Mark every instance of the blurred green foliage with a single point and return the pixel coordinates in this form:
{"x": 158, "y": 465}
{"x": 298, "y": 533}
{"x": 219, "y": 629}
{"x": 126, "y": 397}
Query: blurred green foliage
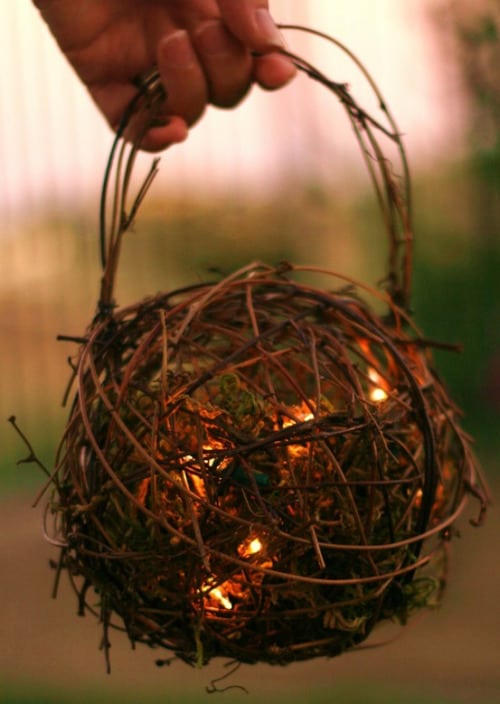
{"x": 456, "y": 301}
{"x": 468, "y": 277}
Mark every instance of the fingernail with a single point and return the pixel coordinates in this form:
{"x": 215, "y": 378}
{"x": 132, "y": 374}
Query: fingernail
{"x": 213, "y": 39}
{"x": 268, "y": 29}
{"x": 176, "y": 50}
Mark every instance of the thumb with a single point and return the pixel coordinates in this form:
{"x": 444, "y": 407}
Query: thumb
{"x": 251, "y": 22}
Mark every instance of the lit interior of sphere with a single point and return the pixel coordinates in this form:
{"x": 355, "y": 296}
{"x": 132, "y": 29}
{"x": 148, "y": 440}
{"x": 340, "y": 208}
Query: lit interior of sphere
{"x": 257, "y": 469}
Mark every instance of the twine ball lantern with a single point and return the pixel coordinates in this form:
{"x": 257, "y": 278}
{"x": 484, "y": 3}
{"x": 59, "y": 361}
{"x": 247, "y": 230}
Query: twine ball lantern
{"x": 256, "y": 468}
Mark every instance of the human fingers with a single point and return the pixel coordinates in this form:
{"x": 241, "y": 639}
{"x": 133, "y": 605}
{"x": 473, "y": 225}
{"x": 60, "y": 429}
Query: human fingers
{"x": 182, "y": 75}
{"x": 227, "y": 64}
{"x": 273, "y": 70}
{"x": 160, "y": 136}
{"x": 252, "y": 23}
{"x": 202, "y": 63}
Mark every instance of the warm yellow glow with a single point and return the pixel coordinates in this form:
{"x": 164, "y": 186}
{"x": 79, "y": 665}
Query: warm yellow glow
{"x": 250, "y": 547}
{"x": 215, "y": 462}
{"x": 195, "y": 483}
{"x": 377, "y": 394}
{"x": 198, "y": 485}
{"x": 255, "y": 546}
{"x": 301, "y": 414}
{"x": 217, "y": 594}
{"x": 221, "y": 597}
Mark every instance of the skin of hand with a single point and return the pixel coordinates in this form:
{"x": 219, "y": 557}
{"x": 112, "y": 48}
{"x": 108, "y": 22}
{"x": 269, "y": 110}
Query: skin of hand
{"x": 203, "y": 50}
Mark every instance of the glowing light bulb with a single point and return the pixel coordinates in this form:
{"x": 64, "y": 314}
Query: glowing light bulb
{"x": 250, "y": 547}
{"x": 377, "y": 393}
{"x": 255, "y": 546}
{"x": 217, "y": 594}
{"x": 302, "y": 414}
{"x": 419, "y": 495}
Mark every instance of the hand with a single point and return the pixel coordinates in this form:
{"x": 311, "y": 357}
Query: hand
{"x": 201, "y": 47}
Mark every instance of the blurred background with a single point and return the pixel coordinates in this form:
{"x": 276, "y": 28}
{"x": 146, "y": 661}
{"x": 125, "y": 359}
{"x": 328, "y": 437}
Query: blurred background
{"x": 279, "y": 178}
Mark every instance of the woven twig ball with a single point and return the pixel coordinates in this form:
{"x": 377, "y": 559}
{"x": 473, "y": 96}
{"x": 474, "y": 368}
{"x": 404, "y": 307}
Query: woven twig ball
{"x": 258, "y": 469}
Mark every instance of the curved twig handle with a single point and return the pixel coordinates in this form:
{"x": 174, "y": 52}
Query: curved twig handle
{"x": 114, "y": 218}
{"x": 392, "y": 191}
